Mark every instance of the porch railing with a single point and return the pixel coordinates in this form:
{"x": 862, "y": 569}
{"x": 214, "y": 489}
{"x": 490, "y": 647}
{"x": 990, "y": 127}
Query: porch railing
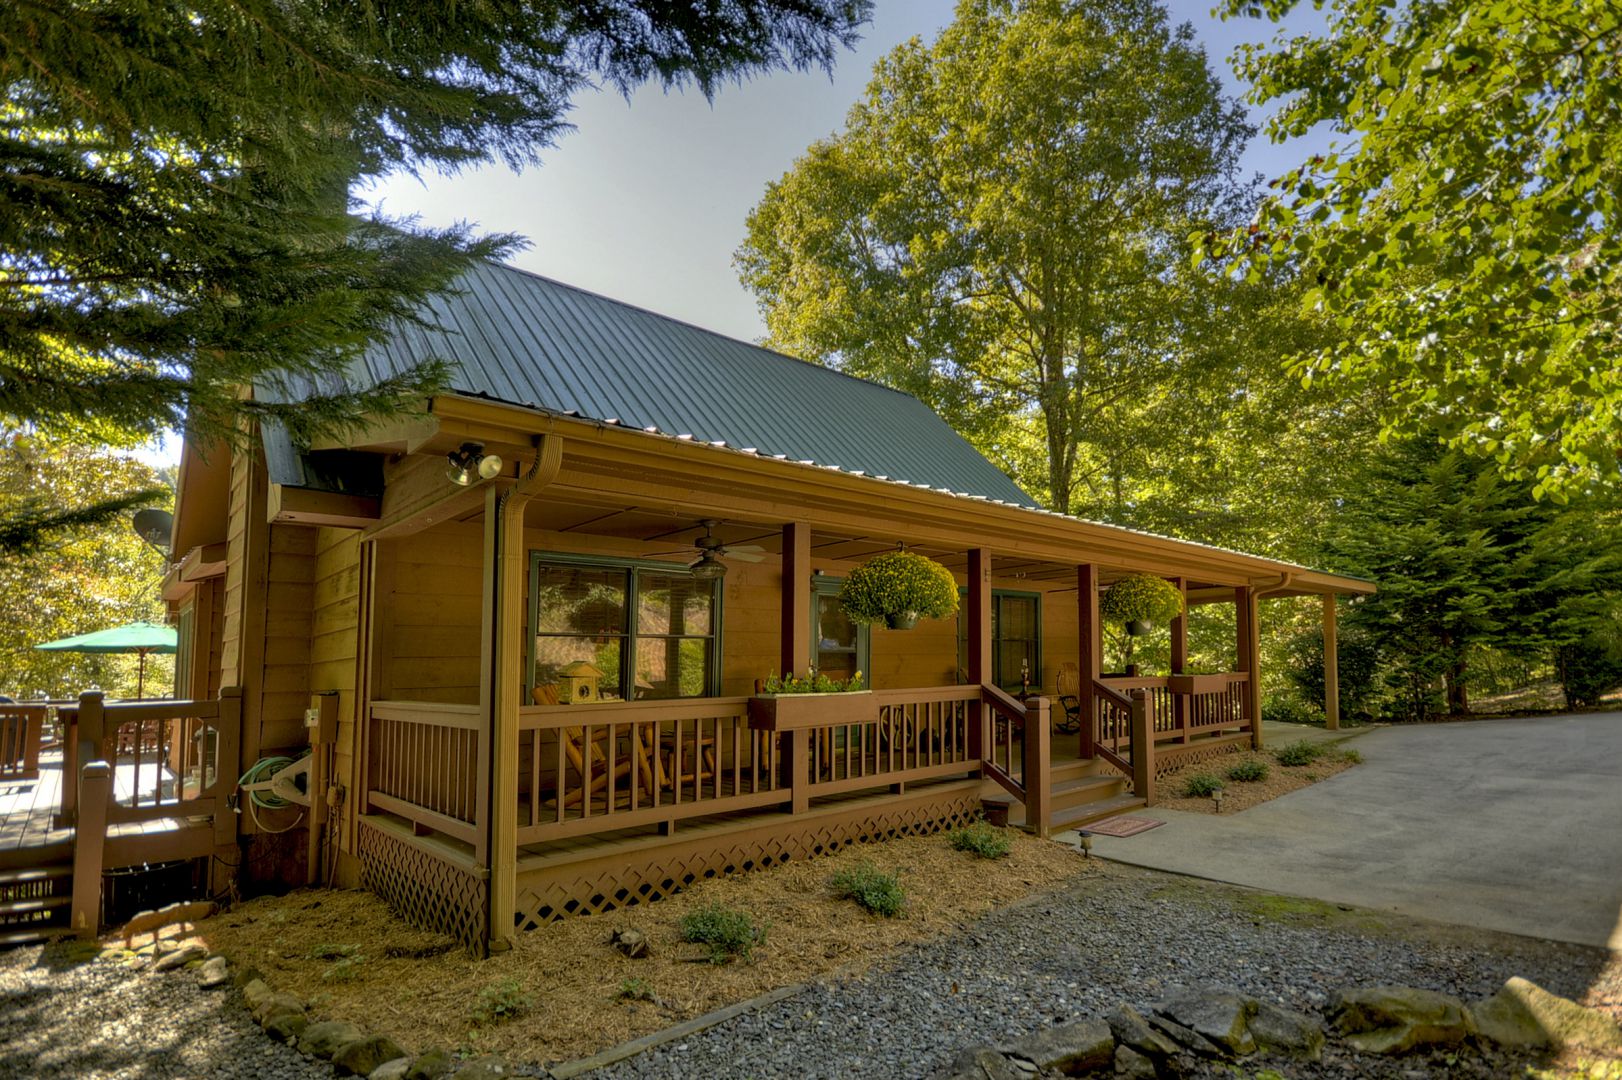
{"x": 21, "y": 727}
{"x": 423, "y": 765}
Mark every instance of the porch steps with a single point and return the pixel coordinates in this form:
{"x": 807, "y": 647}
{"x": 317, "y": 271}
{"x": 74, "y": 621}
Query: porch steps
{"x": 1084, "y": 791}
{"x": 34, "y": 903}
{"x": 1079, "y": 817}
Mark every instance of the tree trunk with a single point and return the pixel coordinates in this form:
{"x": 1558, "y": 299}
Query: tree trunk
{"x": 1458, "y": 691}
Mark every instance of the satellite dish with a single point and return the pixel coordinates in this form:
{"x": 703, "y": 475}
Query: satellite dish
{"x": 154, "y": 526}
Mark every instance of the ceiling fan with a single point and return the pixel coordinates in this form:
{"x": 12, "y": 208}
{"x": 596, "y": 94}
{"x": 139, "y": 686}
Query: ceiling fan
{"x": 711, "y": 550}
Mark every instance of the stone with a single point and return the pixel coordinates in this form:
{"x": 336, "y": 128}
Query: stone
{"x": 489, "y": 1067}
{"x": 180, "y": 957}
{"x": 328, "y": 1037}
{"x": 391, "y": 1070}
{"x": 633, "y": 943}
{"x": 1221, "y": 1017}
{"x": 285, "y": 1025}
{"x": 276, "y": 1002}
{"x": 1187, "y": 1038}
{"x": 255, "y": 991}
{"x": 1287, "y": 1033}
{"x": 1131, "y": 1029}
{"x": 434, "y": 1065}
{"x": 360, "y": 1056}
{"x": 1398, "y": 1019}
{"x": 1523, "y": 1014}
{"x": 1072, "y": 1048}
{"x": 213, "y": 974}
{"x": 975, "y": 1063}
{"x": 1132, "y": 1065}
{"x": 246, "y": 975}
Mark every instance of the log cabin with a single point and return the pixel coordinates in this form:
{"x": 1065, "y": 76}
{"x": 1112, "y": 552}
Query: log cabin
{"x": 513, "y": 640}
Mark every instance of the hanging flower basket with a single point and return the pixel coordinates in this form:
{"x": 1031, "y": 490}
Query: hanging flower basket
{"x": 897, "y": 589}
{"x": 1140, "y": 602}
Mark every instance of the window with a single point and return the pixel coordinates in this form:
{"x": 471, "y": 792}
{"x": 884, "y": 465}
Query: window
{"x": 1016, "y": 638}
{"x": 648, "y": 626}
{"x": 841, "y": 646}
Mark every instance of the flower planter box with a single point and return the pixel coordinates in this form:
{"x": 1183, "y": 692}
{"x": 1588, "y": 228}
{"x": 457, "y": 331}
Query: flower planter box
{"x": 789, "y": 712}
{"x": 1197, "y": 684}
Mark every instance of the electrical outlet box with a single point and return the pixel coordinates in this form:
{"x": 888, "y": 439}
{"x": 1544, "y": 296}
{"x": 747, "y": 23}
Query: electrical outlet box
{"x": 321, "y": 718}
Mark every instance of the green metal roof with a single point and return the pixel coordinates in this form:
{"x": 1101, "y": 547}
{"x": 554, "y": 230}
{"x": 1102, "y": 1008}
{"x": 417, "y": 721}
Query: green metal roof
{"x": 519, "y": 338}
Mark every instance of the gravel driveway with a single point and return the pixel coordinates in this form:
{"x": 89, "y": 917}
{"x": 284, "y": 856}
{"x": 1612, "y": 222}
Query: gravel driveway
{"x": 96, "y": 1019}
{"x": 1121, "y": 935}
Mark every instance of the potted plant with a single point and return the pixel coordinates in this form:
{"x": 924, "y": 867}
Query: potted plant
{"x": 1139, "y": 601}
{"x": 789, "y": 702}
{"x": 897, "y": 589}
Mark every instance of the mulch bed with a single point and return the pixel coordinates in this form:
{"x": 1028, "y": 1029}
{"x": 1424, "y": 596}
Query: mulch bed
{"x": 1241, "y": 795}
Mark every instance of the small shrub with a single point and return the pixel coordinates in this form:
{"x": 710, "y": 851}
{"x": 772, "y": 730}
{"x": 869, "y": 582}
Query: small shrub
{"x": 1249, "y": 772}
{"x": 1350, "y": 756}
{"x": 1297, "y": 753}
{"x": 1280, "y": 709}
{"x": 728, "y": 932}
{"x": 871, "y": 888}
{"x": 636, "y": 990}
{"x": 982, "y": 838}
{"x": 501, "y": 1000}
{"x": 1202, "y": 785}
{"x": 345, "y": 970}
{"x": 332, "y": 952}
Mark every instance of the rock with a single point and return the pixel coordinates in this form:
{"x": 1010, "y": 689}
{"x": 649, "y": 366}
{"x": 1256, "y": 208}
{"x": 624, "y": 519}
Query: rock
{"x": 1523, "y": 1014}
{"x": 976, "y": 1063}
{"x": 489, "y": 1067}
{"x": 633, "y": 943}
{"x": 1187, "y": 1038}
{"x": 1131, "y": 1029}
{"x": 255, "y": 991}
{"x": 361, "y": 1056}
{"x": 391, "y": 1070}
{"x": 285, "y": 1024}
{"x": 434, "y": 1065}
{"x": 246, "y": 975}
{"x": 213, "y": 974}
{"x": 1220, "y": 1016}
{"x": 1397, "y": 1019}
{"x": 276, "y": 1002}
{"x": 1291, "y": 1034}
{"x": 1133, "y": 1065}
{"x": 328, "y": 1037}
{"x": 180, "y": 957}
{"x": 1072, "y": 1048}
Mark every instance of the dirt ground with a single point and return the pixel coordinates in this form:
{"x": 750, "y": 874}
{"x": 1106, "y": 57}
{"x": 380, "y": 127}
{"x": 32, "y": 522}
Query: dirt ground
{"x": 1239, "y": 795}
{"x": 353, "y": 960}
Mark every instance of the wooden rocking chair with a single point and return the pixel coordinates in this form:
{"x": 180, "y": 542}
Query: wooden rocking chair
{"x": 651, "y": 773}
{"x": 1069, "y": 695}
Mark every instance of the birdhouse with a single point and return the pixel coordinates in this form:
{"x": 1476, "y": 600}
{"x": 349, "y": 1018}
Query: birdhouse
{"x": 577, "y": 683}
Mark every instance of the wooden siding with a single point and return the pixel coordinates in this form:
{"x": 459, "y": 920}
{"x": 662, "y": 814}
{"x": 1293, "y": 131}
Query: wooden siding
{"x": 334, "y": 643}
{"x": 289, "y": 599}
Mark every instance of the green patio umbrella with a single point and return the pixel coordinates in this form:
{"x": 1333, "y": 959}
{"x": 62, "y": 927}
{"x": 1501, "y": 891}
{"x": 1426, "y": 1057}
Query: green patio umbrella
{"x": 137, "y": 637}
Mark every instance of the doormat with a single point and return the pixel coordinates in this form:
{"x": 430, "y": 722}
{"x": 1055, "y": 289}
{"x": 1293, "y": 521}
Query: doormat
{"x": 1123, "y": 826}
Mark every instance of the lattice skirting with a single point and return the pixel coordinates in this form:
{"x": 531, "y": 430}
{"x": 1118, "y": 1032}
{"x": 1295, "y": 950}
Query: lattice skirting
{"x": 618, "y": 878}
{"x": 1172, "y": 757}
{"x": 427, "y": 892}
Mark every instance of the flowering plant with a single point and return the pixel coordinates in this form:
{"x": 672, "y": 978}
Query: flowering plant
{"x": 1141, "y": 598}
{"x": 899, "y": 584}
{"x": 813, "y": 683}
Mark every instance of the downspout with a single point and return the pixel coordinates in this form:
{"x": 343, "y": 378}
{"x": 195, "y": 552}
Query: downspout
{"x": 506, "y": 631}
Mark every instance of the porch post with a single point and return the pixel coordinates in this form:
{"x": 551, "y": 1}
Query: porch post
{"x": 1090, "y": 649}
{"x": 1331, "y": 666}
{"x": 1245, "y": 604}
{"x": 1179, "y": 659}
{"x": 977, "y": 639}
{"x": 502, "y": 682}
{"x": 795, "y": 651}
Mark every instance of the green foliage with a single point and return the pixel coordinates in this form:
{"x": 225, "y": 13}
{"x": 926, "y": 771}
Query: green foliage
{"x": 871, "y": 888}
{"x": 1464, "y": 236}
{"x": 77, "y": 579}
{"x": 324, "y": 951}
{"x": 1286, "y": 709}
{"x": 500, "y": 1001}
{"x": 1141, "y": 598}
{"x": 1349, "y": 755}
{"x": 1248, "y": 772}
{"x": 345, "y": 970}
{"x": 634, "y": 989}
{"x": 1298, "y": 753}
{"x": 728, "y": 932}
{"x": 1202, "y": 785}
{"x": 1001, "y": 229}
{"x": 983, "y": 839}
{"x": 174, "y": 212}
{"x": 899, "y": 582}
{"x": 1358, "y": 662}
{"x": 814, "y": 683}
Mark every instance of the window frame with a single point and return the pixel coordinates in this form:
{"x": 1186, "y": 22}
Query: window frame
{"x": 632, "y": 568}
{"x": 824, "y": 585}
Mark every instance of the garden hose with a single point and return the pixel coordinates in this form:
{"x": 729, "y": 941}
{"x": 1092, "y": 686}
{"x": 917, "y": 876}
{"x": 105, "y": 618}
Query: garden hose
{"x": 260, "y": 772}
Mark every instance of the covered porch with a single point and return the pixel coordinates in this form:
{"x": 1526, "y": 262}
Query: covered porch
{"x": 485, "y": 803}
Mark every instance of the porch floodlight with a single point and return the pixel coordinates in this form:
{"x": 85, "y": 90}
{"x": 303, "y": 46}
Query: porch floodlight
{"x": 469, "y": 459}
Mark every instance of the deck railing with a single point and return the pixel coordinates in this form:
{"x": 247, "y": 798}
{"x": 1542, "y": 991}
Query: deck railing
{"x": 21, "y": 727}
{"x": 424, "y": 765}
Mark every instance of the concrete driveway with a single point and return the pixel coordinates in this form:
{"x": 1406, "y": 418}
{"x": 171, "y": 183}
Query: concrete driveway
{"x": 1512, "y": 825}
